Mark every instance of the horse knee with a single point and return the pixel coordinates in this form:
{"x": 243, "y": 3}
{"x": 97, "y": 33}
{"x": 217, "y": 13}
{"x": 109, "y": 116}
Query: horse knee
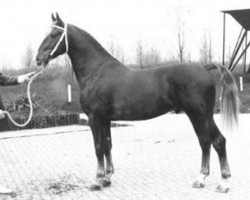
{"x": 99, "y": 151}
{"x": 205, "y": 145}
{"x": 107, "y": 145}
{"x": 107, "y": 150}
{"x": 219, "y": 143}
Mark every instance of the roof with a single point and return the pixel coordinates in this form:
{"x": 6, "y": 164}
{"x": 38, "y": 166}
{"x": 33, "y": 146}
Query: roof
{"x": 241, "y": 16}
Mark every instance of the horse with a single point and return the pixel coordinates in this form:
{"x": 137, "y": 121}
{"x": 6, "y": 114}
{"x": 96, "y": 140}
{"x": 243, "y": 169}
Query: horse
{"x": 111, "y": 91}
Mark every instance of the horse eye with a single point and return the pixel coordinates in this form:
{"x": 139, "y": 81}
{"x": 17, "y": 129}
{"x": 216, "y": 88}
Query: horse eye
{"x": 53, "y": 34}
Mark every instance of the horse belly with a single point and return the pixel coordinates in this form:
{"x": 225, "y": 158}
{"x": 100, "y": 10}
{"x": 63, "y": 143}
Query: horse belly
{"x": 140, "y": 108}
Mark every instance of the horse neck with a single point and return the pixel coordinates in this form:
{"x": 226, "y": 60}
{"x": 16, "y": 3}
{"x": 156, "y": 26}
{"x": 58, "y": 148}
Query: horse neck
{"x": 86, "y": 54}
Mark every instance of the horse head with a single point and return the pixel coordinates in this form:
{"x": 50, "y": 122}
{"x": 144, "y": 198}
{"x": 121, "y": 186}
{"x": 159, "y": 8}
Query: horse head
{"x": 54, "y": 44}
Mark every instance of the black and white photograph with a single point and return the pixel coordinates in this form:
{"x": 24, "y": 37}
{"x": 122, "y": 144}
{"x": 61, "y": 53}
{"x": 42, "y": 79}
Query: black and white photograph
{"x": 124, "y": 100}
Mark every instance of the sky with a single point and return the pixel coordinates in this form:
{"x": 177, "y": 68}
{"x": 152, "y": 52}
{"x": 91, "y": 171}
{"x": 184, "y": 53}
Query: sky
{"x": 121, "y": 22}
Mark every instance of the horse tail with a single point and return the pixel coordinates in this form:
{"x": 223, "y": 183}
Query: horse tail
{"x": 229, "y": 97}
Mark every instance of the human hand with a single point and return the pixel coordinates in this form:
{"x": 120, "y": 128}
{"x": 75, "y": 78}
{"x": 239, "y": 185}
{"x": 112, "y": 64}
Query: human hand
{"x": 2, "y": 114}
{"x": 25, "y": 77}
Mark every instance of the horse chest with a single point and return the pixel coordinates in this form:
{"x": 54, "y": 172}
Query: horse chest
{"x": 95, "y": 100}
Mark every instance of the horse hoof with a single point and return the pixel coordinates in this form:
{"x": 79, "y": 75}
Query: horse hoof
{"x": 106, "y": 183}
{"x": 222, "y": 189}
{"x": 13, "y": 195}
{"x": 223, "y": 186}
{"x": 198, "y": 184}
{"x": 95, "y": 187}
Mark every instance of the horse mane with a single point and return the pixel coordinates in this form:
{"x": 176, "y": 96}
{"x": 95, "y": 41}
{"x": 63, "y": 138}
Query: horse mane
{"x": 91, "y": 41}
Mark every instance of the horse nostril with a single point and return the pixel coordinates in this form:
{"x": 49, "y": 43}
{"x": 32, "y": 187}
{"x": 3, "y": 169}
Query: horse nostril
{"x": 38, "y": 61}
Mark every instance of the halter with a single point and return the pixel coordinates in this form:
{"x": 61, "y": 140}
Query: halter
{"x": 64, "y": 34}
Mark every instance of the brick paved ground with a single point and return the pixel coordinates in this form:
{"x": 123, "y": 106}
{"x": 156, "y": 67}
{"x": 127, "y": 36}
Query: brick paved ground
{"x": 155, "y": 159}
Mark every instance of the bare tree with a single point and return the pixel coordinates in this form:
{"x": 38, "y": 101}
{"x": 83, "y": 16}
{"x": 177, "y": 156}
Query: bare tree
{"x": 228, "y": 54}
{"x": 204, "y": 50}
{"x": 146, "y": 57}
{"x": 151, "y": 57}
{"x": 206, "y": 53}
{"x": 180, "y": 33}
{"x": 181, "y": 43}
{"x": 139, "y": 53}
{"x": 28, "y": 56}
{"x": 210, "y": 49}
{"x": 111, "y": 47}
{"x": 116, "y": 51}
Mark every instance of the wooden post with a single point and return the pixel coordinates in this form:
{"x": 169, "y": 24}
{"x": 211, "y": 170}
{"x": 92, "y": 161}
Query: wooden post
{"x": 69, "y": 94}
{"x": 241, "y": 83}
{"x": 224, "y": 38}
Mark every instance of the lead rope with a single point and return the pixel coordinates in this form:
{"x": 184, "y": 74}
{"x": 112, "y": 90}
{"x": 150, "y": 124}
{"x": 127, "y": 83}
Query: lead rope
{"x": 30, "y": 103}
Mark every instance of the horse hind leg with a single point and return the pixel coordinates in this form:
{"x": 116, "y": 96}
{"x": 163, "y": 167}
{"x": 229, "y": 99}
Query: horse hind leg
{"x": 205, "y": 165}
{"x": 201, "y": 128}
{"x": 208, "y": 133}
{"x": 219, "y": 144}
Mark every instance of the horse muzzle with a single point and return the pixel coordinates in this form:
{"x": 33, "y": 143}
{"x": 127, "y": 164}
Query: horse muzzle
{"x": 44, "y": 61}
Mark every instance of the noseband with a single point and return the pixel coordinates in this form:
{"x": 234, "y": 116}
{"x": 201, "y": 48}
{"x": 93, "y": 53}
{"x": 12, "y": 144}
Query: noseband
{"x": 64, "y": 35}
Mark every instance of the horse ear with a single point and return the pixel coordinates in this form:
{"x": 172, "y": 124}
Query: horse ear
{"x": 58, "y": 19}
{"x": 53, "y": 17}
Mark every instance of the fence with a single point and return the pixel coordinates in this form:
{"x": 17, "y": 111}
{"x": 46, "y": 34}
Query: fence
{"x": 46, "y": 121}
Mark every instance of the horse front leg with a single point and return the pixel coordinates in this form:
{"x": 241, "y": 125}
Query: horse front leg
{"x": 108, "y": 156}
{"x": 97, "y": 128}
{"x": 103, "y": 144}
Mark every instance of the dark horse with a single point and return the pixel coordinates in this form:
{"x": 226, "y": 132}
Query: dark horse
{"x": 111, "y": 91}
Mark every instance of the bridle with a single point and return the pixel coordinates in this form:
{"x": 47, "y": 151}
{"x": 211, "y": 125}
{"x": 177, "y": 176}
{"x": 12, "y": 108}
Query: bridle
{"x": 64, "y": 35}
